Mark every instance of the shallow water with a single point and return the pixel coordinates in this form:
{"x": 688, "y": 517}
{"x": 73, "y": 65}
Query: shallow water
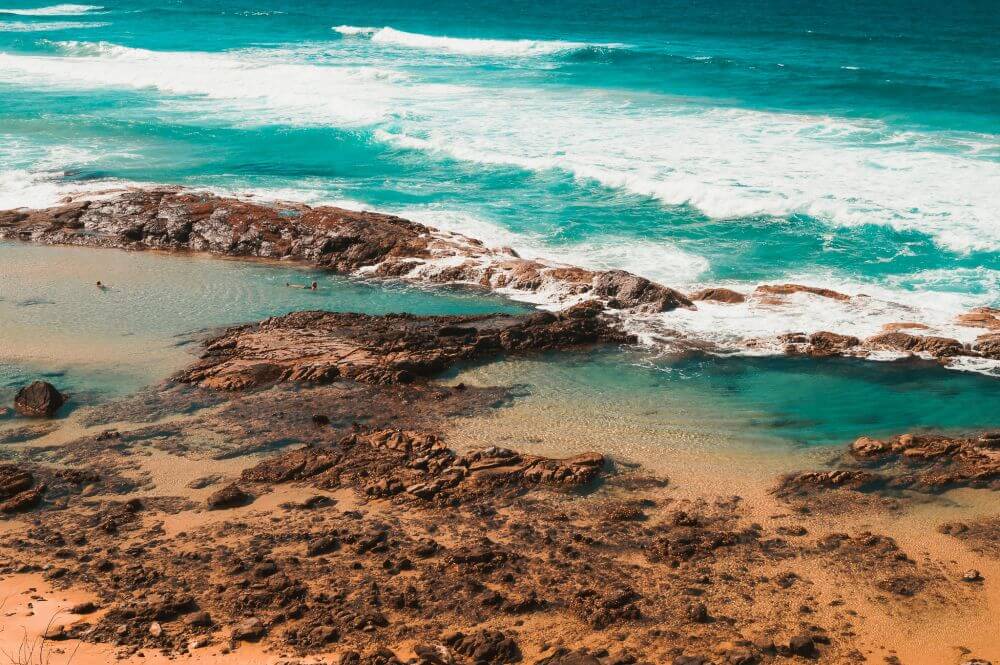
{"x": 102, "y": 343}
{"x": 715, "y": 418}
{"x": 105, "y": 342}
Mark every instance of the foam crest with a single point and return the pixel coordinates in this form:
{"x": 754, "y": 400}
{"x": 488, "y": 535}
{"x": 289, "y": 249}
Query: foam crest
{"x": 726, "y": 163}
{"x": 54, "y": 10}
{"x": 49, "y": 26}
{"x": 733, "y": 163}
{"x": 516, "y": 48}
{"x": 240, "y": 87}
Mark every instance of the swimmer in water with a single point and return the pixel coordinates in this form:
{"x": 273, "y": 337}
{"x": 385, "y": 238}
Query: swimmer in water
{"x": 312, "y": 287}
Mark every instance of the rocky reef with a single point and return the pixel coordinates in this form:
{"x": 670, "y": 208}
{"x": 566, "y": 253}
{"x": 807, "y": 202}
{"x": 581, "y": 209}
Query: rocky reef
{"x": 349, "y": 526}
{"x": 374, "y": 245}
{"x": 399, "y": 348}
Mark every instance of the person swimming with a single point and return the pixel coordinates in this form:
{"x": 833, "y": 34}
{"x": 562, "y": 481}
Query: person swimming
{"x": 314, "y": 286}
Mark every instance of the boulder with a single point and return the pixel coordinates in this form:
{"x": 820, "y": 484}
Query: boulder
{"x": 39, "y": 400}
{"x": 727, "y": 296}
{"x": 249, "y": 630}
{"x": 626, "y": 291}
{"x": 230, "y": 496}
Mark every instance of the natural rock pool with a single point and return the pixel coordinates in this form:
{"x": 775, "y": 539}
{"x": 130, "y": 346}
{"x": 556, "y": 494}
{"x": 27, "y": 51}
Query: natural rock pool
{"x": 99, "y": 344}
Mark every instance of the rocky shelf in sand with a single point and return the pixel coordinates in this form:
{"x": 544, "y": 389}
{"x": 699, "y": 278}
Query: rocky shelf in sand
{"x": 320, "y": 347}
{"x": 360, "y": 532}
{"x": 373, "y": 245}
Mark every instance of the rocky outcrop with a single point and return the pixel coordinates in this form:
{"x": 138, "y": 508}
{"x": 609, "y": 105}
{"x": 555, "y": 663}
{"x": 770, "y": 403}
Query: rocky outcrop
{"x": 988, "y": 346}
{"x": 727, "y": 296}
{"x": 823, "y": 343}
{"x": 38, "y": 400}
{"x": 418, "y": 466}
{"x": 929, "y": 463}
{"x": 901, "y": 342}
{"x": 981, "y": 317}
{"x": 320, "y": 347}
{"x": 18, "y": 489}
{"x": 776, "y": 290}
{"x": 330, "y": 238}
{"x": 933, "y": 462}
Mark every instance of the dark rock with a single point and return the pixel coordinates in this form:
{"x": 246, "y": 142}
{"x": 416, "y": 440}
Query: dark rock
{"x": 38, "y": 400}
{"x": 802, "y": 645}
{"x": 249, "y": 630}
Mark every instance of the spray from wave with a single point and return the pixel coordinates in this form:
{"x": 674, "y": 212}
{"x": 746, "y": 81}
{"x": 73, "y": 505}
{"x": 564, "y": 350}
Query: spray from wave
{"x": 54, "y": 10}
{"x": 50, "y": 26}
{"x": 513, "y": 48}
{"x": 726, "y": 163}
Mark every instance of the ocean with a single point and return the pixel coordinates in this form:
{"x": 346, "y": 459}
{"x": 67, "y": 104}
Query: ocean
{"x": 693, "y": 143}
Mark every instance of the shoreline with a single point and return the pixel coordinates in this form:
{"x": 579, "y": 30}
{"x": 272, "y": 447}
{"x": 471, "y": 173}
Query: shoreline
{"x": 311, "y": 489}
{"x": 384, "y": 247}
{"x": 333, "y": 521}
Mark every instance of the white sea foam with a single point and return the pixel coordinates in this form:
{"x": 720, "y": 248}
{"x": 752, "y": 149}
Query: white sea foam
{"x": 516, "y": 48}
{"x": 54, "y": 10}
{"x": 49, "y": 26}
{"x": 724, "y": 162}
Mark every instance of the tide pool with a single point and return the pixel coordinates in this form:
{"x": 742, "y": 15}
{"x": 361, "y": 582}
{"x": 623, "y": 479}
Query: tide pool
{"x": 100, "y": 343}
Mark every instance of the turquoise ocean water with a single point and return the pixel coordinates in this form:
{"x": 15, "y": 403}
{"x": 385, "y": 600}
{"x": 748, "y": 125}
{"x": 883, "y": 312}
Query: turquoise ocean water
{"x": 691, "y": 142}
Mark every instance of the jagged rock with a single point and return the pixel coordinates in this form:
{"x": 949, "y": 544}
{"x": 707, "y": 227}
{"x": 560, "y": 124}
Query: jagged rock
{"x": 939, "y": 347}
{"x": 988, "y": 346}
{"x": 38, "y": 400}
{"x": 320, "y": 347}
{"x": 485, "y": 646}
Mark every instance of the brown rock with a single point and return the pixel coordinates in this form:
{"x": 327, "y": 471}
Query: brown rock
{"x": 38, "y": 400}
{"x": 248, "y": 630}
{"x": 719, "y": 295}
{"x": 789, "y": 289}
{"x": 830, "y": 344}
{"x": 981, "y": 317}
{"x": 230, "y": 496}
{"x": 625, "y": 290}
{"x": 939, "y": 347}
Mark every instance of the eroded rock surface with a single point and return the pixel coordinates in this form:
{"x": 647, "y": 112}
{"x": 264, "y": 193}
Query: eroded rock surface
{"x": 335, "y": 239}
{"x": 320, "y": 347}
